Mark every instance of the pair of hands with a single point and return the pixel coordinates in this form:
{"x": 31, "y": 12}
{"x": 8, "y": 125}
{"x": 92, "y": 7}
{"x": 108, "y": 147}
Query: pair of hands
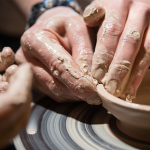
{"x": 15, "y": 96}
{"x": 60, "y": 47}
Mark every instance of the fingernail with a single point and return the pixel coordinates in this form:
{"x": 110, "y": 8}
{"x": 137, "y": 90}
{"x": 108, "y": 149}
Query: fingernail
{"x": 98, "y": 74}
{"x": 90, "y": 11}
{"x": 111, "y": 87}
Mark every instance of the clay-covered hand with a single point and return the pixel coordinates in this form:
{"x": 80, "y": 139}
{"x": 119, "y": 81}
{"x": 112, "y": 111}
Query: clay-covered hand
{"x": 122, "y": 53}
{"x": 60, "y": 48}
{"x": 15, "y": 104}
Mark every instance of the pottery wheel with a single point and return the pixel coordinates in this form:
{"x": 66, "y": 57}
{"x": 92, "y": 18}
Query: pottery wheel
{"x": 73, "y": 126}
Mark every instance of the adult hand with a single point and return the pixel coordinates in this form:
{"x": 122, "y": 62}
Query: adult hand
{"x": 122, "y": 53}
{"x": 60, "y": 48}
{"x": 15, "y": 103}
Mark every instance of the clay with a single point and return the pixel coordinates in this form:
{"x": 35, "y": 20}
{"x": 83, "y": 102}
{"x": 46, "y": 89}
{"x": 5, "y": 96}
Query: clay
{"x": 56, "y": 51}
{"x": 134, "y": 34}
{"x": 90, "y": 12}
{"x": 84, "y": 62}
{"x": 82, "y": 80}
{"x": 94, "y": 101}
{"x": 56, "y": 73}
{"x": 93, "y": 14}
{"x": 133, "y": 118}
{"x": 117, "y": 77}
{"x": 101, "y": 61}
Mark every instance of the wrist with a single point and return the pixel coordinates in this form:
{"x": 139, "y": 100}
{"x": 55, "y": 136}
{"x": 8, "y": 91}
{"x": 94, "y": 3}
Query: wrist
{"x": 57, "y": 11}
{"x": 40, "y": 8}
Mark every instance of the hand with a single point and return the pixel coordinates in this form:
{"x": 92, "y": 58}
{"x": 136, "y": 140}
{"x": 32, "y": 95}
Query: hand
{"x": 60, "y": 48}
{"x": 15, "y": 103}
{"x": 122, "y": 53}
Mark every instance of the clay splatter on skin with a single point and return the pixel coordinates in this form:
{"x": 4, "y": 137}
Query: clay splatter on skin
{"x": 85, "y": 63}
{"x": 90, "y": 12}
{"x": 57, "y": 53}
{"x": 134, "y": 34}
{"x": 101, "y": 61}
{"x": 130, "y": 91}
{"x": 117, "y": 77}
{"x": 64, "y": 59}
{"x": 56, "y": 73}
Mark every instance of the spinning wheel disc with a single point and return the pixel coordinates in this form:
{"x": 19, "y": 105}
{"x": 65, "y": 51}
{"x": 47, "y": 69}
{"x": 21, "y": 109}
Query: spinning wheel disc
{"x": 71, "y": 126}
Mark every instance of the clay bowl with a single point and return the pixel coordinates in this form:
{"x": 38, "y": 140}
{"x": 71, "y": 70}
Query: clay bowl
{"x": 133, "y": 119}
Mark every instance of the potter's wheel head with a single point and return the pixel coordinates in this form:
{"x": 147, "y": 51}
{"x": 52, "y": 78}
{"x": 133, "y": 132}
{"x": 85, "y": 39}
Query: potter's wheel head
{"x": 133, "y": 118}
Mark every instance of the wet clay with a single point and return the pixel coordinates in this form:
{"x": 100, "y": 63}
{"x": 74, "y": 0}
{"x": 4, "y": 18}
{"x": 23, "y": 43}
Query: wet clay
{"x": 117, "y": 77}
{"x": 90, "y": 12}
{"x": 101, "y": 61}
{"x": 58, "y": 52}
{"x": 85, "y": 63}
{"x": 93, "y": 14}
{"x": 130, "y": 91}
{"x": 134, "y": 34}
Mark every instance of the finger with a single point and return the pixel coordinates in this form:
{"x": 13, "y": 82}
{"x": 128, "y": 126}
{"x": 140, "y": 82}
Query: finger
{"x": 7, "y": 58}
{"x": 16, "y": 126}
{"x": 45, "y": 82}
{"x": 140, "y": 67}
{"x": 108, "y": 37}
{"x": 127, "y": 50}
{"x": 3, "y": 86}
{"x": 9, "y": 72}
{"x": 13, "y": 102}
{"x": 93, "y": 14}
{"x": 81, "y": 39}
{"x": 60, "y": 63}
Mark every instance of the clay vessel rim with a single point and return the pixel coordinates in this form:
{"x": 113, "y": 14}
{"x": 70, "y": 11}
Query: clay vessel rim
{"x": 108, "y": 97}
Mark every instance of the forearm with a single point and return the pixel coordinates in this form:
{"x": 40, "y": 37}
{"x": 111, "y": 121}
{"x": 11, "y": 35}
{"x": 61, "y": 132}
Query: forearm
{"x": 25, "y": 5}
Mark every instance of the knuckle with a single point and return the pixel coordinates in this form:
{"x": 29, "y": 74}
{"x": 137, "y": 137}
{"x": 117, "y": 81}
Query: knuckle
{"x": 126, "y": 1}
{"x": 132, "y": 37}
{"x": 26, "y": 42}
{"x": 112, "y": 28}
{"x": 129, "y": 40}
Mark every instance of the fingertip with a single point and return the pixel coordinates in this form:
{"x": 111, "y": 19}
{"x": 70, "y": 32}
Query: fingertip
{"x": 10, "y": 71}
{"x": 92, "y": 15}
{"x": 7, "y": 56}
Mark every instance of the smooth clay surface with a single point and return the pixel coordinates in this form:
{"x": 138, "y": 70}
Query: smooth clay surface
{"x": 133, "y": 118}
